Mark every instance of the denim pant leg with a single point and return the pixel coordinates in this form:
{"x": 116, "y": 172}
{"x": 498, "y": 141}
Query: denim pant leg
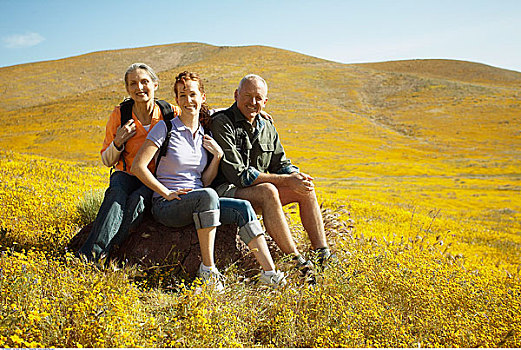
{"x": 110, "y": 214}
{"x": 199, "y": 207}
{"x": 240, "y": 212}
{"x": 134, "y": 213}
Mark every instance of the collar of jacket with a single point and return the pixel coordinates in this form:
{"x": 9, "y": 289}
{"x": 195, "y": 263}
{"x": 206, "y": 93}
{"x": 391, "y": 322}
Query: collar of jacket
{"x": 238, "y": 116}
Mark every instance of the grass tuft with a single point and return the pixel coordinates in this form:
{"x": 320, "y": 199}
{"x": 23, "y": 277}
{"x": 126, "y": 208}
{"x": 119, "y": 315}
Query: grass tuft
{"x": 89, "y": 205}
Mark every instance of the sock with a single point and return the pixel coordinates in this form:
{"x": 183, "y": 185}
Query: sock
{"x": 207, "y": 268}
{"x": 300, "y": 259}
{"x": 269, "y": 273}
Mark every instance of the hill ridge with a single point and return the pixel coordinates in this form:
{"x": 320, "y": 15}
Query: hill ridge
{"x": 31, "y": 83}
{"x": 358, "y": 109}
{"x": 451, "y": 70}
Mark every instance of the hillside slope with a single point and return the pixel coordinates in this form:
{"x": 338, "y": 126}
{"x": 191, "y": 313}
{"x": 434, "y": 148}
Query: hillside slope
{"x": 357, "y": 128}
{"x": 42, "y": 82}
{"x": 455, "y": 70}
{"x": 417, "y": 170}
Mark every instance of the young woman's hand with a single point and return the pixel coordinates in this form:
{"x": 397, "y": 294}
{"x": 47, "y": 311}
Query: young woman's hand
{"x": 212, "y": 146}
{"x": 175, "y": 194}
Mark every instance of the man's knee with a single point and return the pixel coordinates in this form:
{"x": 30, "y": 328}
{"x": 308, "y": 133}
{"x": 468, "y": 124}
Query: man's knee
{"x": 310, "y": 195}
{"x": 267, "y": 191}
{"x": 303, "y": 197}
{"x": 261, "y": 196}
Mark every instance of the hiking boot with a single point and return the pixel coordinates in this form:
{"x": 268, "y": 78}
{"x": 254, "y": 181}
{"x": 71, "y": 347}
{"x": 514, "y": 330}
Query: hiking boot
{"x": 306, "y": 269}
{"x": 275, "y": 281}
{"x": 211, "y": 278}
{"x": 324, "y": 258}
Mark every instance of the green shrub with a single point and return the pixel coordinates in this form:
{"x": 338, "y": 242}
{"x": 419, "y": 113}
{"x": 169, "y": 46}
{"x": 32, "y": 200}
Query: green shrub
{"x": 88, "y": 206}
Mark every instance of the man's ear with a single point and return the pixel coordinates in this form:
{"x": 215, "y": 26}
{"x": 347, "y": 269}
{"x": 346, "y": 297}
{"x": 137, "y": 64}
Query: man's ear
{"x": 156, "y": 86}
{"x": 236, "y": 94}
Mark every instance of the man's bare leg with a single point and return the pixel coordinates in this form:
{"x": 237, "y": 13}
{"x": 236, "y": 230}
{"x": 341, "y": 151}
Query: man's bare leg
{"x": 265, "y": 198}
{"x": 310, "y": 214}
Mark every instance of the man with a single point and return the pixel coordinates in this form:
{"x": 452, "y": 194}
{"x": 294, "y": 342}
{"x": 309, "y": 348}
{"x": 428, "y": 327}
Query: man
{"x": 255, "y": 168}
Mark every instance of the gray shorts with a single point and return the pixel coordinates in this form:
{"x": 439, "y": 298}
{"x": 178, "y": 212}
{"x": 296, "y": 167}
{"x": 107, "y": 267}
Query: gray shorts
{"x": 226, "y": 190}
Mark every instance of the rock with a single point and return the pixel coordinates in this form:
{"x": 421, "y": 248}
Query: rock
{"x": 152, "y": 245}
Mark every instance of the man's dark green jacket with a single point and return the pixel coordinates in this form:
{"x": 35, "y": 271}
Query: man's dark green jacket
{"x": 248, "y": 150}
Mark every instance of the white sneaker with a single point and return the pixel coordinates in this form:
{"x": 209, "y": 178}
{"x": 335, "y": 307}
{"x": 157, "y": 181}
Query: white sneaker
{"x": 212, "y": 278}
{"x": 275, "y": 281}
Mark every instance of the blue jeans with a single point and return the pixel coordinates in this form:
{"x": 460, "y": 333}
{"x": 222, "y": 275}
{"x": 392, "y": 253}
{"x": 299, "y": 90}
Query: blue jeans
{"x": 122, "y": 208}
{"x": 240, "y": 212}
{"x": 204, "y": 208}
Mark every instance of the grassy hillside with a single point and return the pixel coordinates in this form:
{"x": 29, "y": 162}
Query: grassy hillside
{"x": 431, "y": 134}
{"x": 461, "y": 71}
{"x": 416, "y": 163}
{"x": 362, "y": 130}
{"x": 37, "y": 83}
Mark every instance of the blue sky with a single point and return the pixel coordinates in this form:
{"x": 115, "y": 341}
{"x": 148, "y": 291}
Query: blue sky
{"x": 344, "y": 31}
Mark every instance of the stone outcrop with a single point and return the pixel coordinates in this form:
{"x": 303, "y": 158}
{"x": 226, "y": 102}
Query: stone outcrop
{"x": 152, "y": 245}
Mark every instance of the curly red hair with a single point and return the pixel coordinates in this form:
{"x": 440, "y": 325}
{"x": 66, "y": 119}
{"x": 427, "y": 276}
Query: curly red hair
{"x": 182, "y": 78}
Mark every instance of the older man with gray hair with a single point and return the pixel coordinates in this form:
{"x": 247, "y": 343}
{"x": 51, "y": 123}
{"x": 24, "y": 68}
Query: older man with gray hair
{"x": 255, "y": 168}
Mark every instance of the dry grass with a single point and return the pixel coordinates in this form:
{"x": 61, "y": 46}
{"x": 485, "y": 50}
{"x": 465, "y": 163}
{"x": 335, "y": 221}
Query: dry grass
{"x": 406, "y": 277}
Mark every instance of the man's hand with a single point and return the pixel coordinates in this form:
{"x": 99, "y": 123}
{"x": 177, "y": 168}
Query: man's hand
{"x": 300, "y": 182}
{"x": 266, "y": 115}
{"x": 175, "y": 194}
{"x": 124, "y": 133}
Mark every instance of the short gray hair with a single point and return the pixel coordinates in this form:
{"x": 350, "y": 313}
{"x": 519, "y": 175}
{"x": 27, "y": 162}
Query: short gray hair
{"x": 145, "y": 67}
{"x": 252, "y": 77}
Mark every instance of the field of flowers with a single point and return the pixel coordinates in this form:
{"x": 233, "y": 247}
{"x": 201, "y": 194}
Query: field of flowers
{"x": 405, "y": 278}
{"x": 416, "y": 165}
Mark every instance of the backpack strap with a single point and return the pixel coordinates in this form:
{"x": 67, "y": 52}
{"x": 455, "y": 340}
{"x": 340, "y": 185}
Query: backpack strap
{"x": 168, "y": 114}
{"x": 166, "y": 109}
{"x": 164, "y": 145}
{"x": 125, "y": 109}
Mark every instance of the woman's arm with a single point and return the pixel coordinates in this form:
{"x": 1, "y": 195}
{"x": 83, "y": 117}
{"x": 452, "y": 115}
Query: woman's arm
{"x": 115, "y": 138}
{"x": 211, "y": 170}
{"x": 140, "y": 169}
{"x": 110, "y": 156}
